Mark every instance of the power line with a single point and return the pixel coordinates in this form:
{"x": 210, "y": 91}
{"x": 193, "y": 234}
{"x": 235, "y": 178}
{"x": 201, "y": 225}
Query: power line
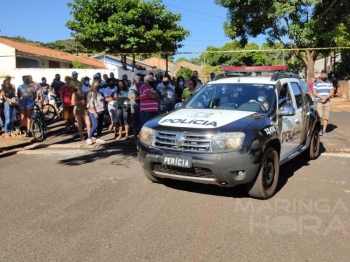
{"x": 194, "y": 11}
{"x": 248, "y": 51}
{"x": 196, "y": 17}
{"x": 207, "y": 40}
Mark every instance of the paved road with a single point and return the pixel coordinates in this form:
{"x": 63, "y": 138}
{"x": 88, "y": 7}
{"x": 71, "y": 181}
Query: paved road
{"x": 79, "y": 205}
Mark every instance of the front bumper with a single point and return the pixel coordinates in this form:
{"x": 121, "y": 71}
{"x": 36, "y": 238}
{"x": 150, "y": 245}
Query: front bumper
{"x": 222, "y": 169}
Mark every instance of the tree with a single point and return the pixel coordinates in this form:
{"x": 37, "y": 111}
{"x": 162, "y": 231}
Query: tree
{"x": 196, "y": 61}
{"x": 126, "y": 26}
{"x": 184, "y": 72}
{"x": 180, "y": 59}
{"x": 207, "y": 70}
{"x": 79, "y": 65}
{"x": 241, "y": 58}
{"x": 305, "y": 23}
{"x": 343, "y": 39}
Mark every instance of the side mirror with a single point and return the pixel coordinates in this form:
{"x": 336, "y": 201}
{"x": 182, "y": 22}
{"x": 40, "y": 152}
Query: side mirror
{"x": 286, "y": 111}
{"x": 179, "y": 105}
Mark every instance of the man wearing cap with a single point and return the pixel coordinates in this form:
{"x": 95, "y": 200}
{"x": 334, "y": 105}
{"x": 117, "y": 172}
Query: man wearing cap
{"x": 74, "y": 80}
{"x": 86, "y": 84}
{"x": 97, "y": 77}
{"x": 323, "y": 90}
{"x": 125, "y": 77}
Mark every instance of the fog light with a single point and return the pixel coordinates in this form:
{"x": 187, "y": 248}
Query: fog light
{"x": 241, "y": 174}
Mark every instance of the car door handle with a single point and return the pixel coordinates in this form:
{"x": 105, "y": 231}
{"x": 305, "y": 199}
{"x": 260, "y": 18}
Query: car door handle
{"x": 296, "y": 120}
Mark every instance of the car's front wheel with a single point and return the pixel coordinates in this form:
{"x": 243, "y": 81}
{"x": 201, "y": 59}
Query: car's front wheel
{"x": 265, "y": 183}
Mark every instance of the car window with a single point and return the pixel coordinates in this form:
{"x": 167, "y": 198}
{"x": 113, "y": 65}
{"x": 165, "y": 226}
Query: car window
{"x": 233, "y": 96}
{"x": 285, "y": 98}
{"x": 297, "y": 93}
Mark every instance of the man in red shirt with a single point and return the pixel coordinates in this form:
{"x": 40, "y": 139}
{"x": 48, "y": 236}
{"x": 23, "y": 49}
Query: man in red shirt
{"x": 66, "y": 93}
{"x": 148, "y": 101}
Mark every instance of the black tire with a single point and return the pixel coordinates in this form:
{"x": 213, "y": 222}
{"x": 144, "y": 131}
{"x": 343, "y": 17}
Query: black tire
{"x": 152, "y": 178}
{"x": 265, "y": 183}
{"x": 37, "y": 130}
{"x": 49, "y": 112}
{"x": 313, "y": 151}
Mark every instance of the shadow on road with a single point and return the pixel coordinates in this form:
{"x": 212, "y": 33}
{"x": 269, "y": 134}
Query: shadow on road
{"x": 331, "y": 128}
{"x": 234, "y": 192}
{"x": 123, "y": 158}
{"x": 322, "y": 148}
{"x": 286, "y": 172}
{"x": 288, "y": 169}
{"x": 6, "y": 154}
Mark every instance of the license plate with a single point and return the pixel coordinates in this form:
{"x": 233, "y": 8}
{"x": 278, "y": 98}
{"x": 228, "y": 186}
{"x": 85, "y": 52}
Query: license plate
{"x": 180, "y": 161}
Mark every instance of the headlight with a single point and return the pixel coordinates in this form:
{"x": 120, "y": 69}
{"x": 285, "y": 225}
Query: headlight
{"x": 146, "y": 136}
{"x": 227, "y": 141}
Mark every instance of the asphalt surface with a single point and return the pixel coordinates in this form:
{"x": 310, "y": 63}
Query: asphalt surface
{"x": 60, "y": 202}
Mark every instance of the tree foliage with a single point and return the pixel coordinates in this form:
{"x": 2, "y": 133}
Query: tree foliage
{"x": 181, "y": 59}
{"x": 126, "y": 26}
{"x": 184, "y": 72}
{"x": 343, "y": 67}
{"x": 305, "y": 23}
{"x": 243, "y": 57}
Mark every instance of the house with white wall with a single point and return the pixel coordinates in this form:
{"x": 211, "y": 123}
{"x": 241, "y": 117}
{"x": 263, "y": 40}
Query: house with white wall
{"x": 18, "y": 59}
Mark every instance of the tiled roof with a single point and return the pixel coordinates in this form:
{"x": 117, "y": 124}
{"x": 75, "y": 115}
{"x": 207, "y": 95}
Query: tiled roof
{"x": 159, "y": 62}
{"x": 47, "y": 52}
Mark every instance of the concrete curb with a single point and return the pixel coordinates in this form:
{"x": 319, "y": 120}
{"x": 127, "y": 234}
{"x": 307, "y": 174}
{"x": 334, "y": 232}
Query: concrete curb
{"x": 20, "y": 145}
{"x": 53, "y": 132}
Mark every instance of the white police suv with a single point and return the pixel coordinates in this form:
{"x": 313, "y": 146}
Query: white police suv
{"x": 235, "y": 130}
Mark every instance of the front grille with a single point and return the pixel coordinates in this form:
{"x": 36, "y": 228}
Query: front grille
{"x": 190, "y": 172}
{"x": 183, "y": 140}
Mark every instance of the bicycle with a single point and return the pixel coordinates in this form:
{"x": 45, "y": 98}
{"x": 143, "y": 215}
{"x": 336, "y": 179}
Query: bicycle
{"x": 38, "y": 126}
{"x": 48, "y": 111}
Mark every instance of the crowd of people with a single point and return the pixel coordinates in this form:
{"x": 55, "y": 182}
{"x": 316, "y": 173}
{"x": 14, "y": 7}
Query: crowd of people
{"x": 127, "y": 103}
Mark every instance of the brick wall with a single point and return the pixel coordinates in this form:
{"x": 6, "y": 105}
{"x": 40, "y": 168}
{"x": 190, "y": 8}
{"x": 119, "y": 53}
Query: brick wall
{"x": 344, "y": 89}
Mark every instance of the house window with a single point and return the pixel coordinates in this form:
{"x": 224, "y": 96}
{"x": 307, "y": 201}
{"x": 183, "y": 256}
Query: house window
{"x": 22, "y": 62}
{"x": 54, "y": 64}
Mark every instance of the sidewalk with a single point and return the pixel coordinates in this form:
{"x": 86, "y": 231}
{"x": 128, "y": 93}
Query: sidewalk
{"x": 340, "y": 104}
{"x": 13, "y": 143}
{"x": 57, "y": 140}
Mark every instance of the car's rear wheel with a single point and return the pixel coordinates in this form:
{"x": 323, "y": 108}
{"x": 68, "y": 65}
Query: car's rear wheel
{"x": 314, "y": 149}
{"x": 265, "y": 183}
{"x": 152, "y": 178}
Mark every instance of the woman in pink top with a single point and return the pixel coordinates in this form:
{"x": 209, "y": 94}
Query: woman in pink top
{"x": 148, "y": 101}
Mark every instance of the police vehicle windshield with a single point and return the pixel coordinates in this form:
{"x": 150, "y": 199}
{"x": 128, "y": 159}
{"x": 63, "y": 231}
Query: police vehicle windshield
{"x": 233, "y": 96}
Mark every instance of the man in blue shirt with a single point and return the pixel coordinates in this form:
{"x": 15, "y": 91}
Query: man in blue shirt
{"x": 323, "y": 91}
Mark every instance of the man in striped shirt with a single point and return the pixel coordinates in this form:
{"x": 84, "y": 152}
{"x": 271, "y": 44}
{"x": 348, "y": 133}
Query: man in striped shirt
{"x": 148, "y": 101}
{"x": 323, "y": 91}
